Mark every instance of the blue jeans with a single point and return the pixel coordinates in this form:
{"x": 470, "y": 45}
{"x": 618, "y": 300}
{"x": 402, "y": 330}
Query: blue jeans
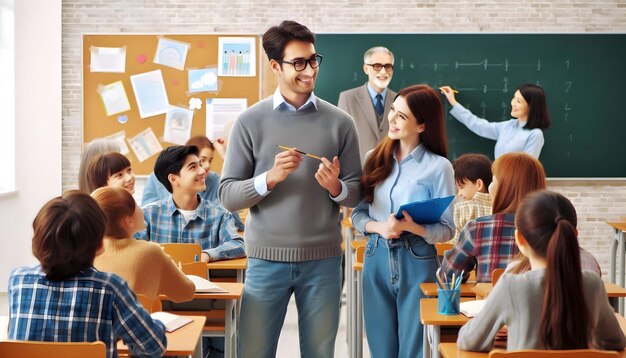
{"x": 316, "y": 285}
{"x": 392, "y": 272}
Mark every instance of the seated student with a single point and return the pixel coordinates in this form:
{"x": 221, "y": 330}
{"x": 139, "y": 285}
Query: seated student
{"x": 588, "y": 262}
{"x": 144, "y": 265}
{"x": 64, "y": 298}
{"x": 155, "y": 191}
{"x": 487, "y": 242}
{"x": 92, "y": 149}
{"x": 110, "y": 169}
{"x": 472, "y": 174}
{"x": 555, "y": 305}
{"x": 184, "y": 216}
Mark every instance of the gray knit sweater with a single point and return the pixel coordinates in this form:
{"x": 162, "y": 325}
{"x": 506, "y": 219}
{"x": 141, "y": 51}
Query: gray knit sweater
{"x": 297, "y": 220}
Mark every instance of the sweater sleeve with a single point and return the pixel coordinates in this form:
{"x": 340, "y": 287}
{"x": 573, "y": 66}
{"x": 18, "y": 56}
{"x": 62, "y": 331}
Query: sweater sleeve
{"x": 236, "y": 190}
{"x": 534, "y": 143}
{"x": 350, "y": 170}
{"x": 174, "y": 284}
{"x": 479, "y": 333}
{"x": 480, "y": 126}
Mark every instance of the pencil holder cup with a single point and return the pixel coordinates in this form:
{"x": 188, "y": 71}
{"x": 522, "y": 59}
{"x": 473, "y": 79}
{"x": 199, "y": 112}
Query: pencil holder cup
{"x": 448, "y": 301}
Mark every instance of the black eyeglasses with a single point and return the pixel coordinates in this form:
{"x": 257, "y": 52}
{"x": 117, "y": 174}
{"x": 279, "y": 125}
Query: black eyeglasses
{"x": 300, "y": 64}
{"x": 379, "y": 66}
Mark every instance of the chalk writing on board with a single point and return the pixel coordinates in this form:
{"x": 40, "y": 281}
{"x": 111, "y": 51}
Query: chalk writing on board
{"x": 506, "y": 85}
{"x": 567, "y": 64}
{"x": 568, "y": 86}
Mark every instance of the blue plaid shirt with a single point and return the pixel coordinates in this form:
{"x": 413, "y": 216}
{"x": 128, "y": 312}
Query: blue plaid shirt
{"x": 92, "y": 306}
{"x": 487, "y": 242}
{"x": 212, "y": 227}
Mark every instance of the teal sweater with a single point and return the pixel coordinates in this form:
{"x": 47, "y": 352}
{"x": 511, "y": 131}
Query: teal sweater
{"x": 297, "y": 220}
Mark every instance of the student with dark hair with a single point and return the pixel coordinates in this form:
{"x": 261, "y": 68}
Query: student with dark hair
{"x": 147, "y": 269}
{"x": 92, "y": 149}
{"x": 555, "y": 305}
{"x": 408, "y": 165}
{"x": 522, "y": 133}
{"x": 487, "y": 243}
{"x": 293, "y": 237}
{"x": 184, "y": 216}
{"x": 472, "y": 174}
{"x": 64, "y": 298}
{"x": 110, "y": 169}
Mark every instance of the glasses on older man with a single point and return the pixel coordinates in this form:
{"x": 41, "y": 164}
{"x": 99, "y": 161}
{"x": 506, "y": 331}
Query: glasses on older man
{"x": 300, "y": 64}
{"x": 379, "y": 66}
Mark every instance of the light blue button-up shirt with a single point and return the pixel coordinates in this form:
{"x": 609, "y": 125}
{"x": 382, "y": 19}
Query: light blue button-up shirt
{"x": 373, "y": 94}
{"x": 421, "y": 175}
{"x": 510, "y": 136}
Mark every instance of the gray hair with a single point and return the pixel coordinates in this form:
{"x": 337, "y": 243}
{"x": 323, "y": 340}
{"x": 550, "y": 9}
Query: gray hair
{"x": 92, "y": 149}
{"x": 374, "y": 50}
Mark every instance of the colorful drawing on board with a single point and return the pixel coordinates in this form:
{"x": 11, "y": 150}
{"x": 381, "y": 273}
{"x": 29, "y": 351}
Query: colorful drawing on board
{"x": 145, "y": 144}
{"x": 171, "y": 53}
{"x": 114, "y": 98}
{"x": 236, "y": 56}
{"x": 178, "y": 122}
{"x": 202, "y": 80}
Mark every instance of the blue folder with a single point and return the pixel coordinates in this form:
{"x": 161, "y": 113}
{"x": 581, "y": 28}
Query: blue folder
{"x": 426, "y": 211}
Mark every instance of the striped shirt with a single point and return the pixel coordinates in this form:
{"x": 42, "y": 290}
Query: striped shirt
{"x": 91, "y": 306}
{"x": 210, "y": 226}
{"x": 479, "y": 205}
{"x": 487, "y": 242}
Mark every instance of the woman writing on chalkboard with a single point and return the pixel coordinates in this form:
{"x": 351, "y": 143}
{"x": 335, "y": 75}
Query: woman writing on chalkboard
{"x": 408, "y": 165}
{"x": 523, "y": 133}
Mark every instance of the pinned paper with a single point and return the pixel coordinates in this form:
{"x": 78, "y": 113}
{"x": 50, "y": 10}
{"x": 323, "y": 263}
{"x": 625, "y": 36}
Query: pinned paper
{"x": 171, "y": 53}
{"x": 178, "y": 122}
{"x": 236, "y": 56}
{"x": 202, "y": 80}
{"x": 220, "y": 111}
{"x": 145, "y": 144}
{"x": 150, "y": 93}
{"x": 120, "y": 139}
{"x": 108, "y": 59}
{"x": 114, "y": 98}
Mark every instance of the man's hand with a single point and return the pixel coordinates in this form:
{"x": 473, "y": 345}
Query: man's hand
{"x": 285, "y": 163}
{"x": 328, "y": 176}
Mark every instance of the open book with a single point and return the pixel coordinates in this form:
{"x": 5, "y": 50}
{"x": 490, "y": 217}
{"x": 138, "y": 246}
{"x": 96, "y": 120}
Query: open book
{"x": 171, "y": 322}
{"x": 204, "y": 285}
{"x": 472, "y": 308}
{"x": 426, "y": 211}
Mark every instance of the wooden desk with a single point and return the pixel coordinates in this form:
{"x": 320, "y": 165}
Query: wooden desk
{"x": 430, "y": 289}
{"x": 184, "y": 341}
{"x": 619, "y": 240}
{"x": 433, "y": 321}
{"x": 235, "y": 264}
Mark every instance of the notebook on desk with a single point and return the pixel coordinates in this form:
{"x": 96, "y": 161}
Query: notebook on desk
{"x": 426, "y": 211}
{"x": 472, "y": 308}
{"x": 171, "y": 322}
{"x": 204, "y": 285}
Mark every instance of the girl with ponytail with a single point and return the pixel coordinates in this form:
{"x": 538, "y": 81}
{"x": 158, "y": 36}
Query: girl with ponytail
{"x": 555, "y": 305}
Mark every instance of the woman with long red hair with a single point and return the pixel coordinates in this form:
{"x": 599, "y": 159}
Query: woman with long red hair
{"x": 409, "y": 165}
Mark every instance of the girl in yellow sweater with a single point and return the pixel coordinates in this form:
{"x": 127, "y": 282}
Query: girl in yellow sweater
{"x": 144, "y": 265}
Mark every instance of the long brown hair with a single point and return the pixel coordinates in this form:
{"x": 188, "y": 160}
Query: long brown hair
{"x": 117, "y": 203}
{"x": 518, "y": 174}
{"x": 547, "y": 220}
{"x": 425, "y": 105}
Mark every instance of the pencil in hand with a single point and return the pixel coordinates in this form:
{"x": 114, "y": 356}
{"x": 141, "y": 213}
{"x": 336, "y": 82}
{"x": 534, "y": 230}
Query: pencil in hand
{"x": 299, "y": 151}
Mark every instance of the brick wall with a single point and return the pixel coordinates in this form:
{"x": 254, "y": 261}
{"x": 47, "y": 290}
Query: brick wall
{"x": 596, "y": 201}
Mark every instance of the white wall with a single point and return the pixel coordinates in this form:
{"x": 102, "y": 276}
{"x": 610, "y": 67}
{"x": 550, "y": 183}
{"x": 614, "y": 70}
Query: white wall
{"x": 37, "y": 128}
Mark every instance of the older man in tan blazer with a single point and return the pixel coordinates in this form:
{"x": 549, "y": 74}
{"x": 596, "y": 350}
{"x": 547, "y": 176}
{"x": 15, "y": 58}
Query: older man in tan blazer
{"x": 369, "y": 104}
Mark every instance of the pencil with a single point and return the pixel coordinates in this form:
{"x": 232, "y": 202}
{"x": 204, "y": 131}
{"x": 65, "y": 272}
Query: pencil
{"x": 299, "y": 151}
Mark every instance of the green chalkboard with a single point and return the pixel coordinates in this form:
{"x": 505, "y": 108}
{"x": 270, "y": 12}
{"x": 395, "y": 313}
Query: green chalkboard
{"x": 583, "y": 76}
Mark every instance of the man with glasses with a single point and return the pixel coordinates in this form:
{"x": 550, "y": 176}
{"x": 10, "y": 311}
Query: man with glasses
{"x": 293, "y": 237}
{"x": 369, "y": 104}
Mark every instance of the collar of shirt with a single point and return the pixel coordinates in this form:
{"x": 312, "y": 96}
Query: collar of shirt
{"x": 416, "y": 154}
{"x": 279, "y": 102}
{"x": 373, "y": 94}
{"x": 201, "y": 211}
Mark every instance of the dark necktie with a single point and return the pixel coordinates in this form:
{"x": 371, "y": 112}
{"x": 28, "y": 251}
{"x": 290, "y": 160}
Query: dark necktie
{"x": 379, "y": 104}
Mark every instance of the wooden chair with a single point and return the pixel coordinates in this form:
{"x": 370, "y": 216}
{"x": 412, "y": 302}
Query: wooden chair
{"x": 149, "y": 305}
{"x": 196, "y": 268}
{"x": 359, "y": 253}
{"x": 495, "y": 275}
{"x": 574, "y": 353}
{"x": 183, "y": 253}
{"x": 19, "y": 349}
{"x": 442, "y": 247}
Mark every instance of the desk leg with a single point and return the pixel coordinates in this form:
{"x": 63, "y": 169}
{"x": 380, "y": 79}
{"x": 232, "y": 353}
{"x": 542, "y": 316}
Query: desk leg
{"x": 348, "y": 275}
{"x": 359, "y": 315}
{"x": 426, "y": 342}
{"x": 197, "y": 353}
{"x": 614, "y": 246}
{"x": 230, "y": 329}
{"x": 436, "y": 339}
{"x": 622, "y": 252}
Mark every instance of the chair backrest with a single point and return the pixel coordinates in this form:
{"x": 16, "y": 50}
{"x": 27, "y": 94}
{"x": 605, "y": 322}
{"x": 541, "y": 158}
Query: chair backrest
{"x": 196, "y": 268}
{"x": 150, "y": 305}
{"x": 574, "y": 353}
{"x": 30, "y": 349}
{"x": 495, "y": 275}
{"x": 359, "y": 253}
{"x": 183, "y": 253}
{"x": 443, "y": 247}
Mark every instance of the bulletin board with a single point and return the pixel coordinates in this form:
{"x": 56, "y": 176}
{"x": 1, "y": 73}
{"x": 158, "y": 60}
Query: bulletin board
{"x": 127, "y": 77}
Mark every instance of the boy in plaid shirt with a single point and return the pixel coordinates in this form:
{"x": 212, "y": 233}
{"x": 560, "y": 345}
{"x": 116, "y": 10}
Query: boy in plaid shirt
{"x": 472, "y": 174}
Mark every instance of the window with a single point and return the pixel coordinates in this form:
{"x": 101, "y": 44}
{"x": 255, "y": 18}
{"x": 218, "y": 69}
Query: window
{"x": 7, "y": 97}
